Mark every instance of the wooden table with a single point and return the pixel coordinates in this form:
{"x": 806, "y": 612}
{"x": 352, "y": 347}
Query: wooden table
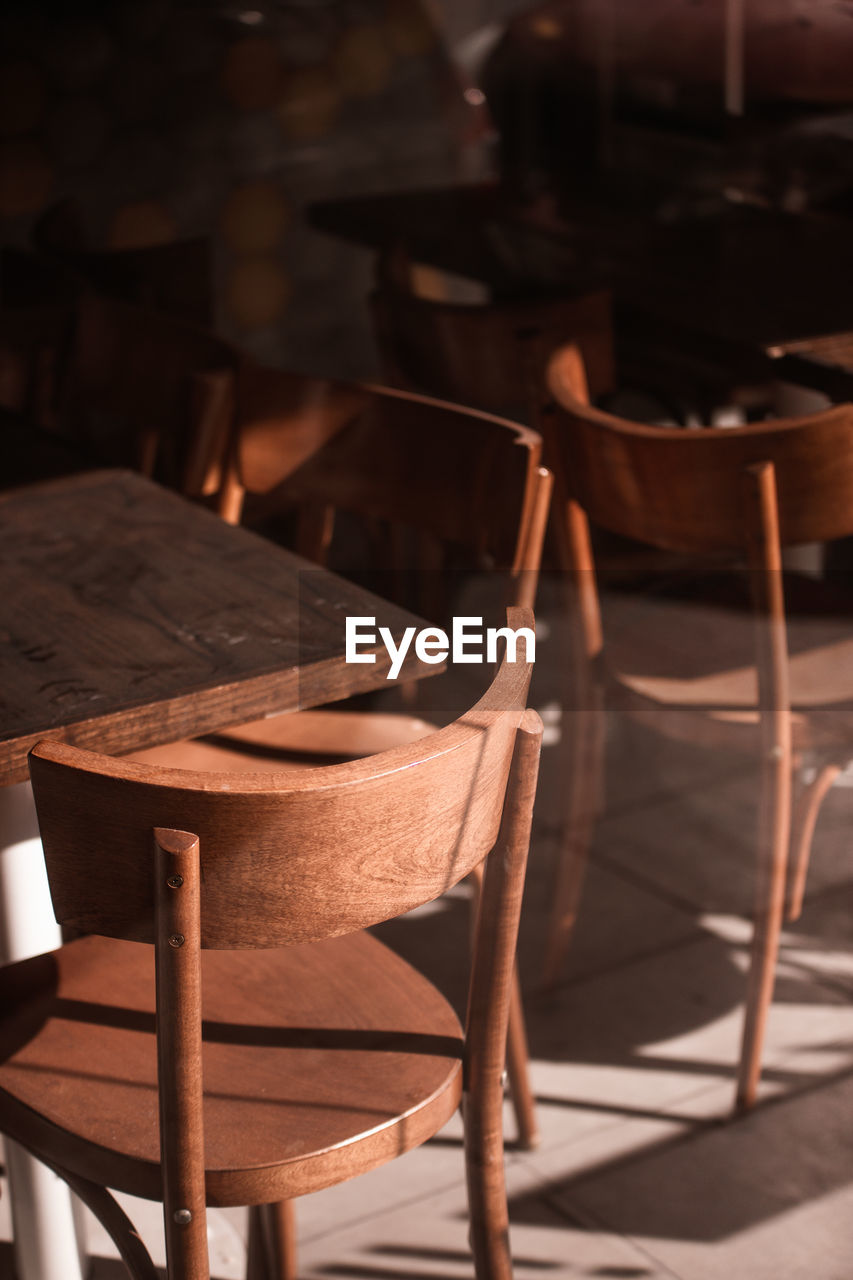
{"x": 131, "y": 618}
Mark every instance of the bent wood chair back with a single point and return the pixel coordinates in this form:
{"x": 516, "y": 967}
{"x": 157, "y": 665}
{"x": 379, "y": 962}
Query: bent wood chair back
{"x": 679, "y": 490}
{"x": 149, "y": 854}
{"x": 744, "y": 491}
{"x": 491, "y": 356}
{"x": 452, "y": 476}
{"x": 150, "y": 392}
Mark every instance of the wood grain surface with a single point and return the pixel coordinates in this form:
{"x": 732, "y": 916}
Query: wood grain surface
{"x": 130, "y": 617}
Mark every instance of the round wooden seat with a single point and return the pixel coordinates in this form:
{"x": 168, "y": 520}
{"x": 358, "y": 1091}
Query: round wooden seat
{"x": 301, "y": 1066}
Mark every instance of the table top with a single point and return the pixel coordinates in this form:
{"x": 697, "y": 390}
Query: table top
{"x": 736, "y": 272}
{"x": 130, "y": 618}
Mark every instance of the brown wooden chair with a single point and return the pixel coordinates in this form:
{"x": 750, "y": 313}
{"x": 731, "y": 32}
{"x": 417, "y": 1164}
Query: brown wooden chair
{"x": 451, "y": 477}
{"x": 146, "y": 391}
{"x": 491, "y": 356}
{"x": 731, "y": 497}
{"x": 320, "y": 1054}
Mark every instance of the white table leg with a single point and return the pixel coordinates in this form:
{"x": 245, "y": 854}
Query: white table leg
{"x": 43, "y": 1215}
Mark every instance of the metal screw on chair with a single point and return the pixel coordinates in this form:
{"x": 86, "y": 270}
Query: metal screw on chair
{"x": 174, "y": 882}
{"x": 182, "y": 1217}
{"x": 176, "y": 940}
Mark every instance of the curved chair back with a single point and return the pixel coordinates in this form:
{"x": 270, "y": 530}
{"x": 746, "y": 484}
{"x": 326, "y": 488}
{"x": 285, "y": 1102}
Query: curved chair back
{"x": 684, "y": 490}
{"x": 491, "y": 356}
{"x": 454, "y": 475}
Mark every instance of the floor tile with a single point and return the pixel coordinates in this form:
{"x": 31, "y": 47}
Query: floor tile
{"x": 767, "y": 1196}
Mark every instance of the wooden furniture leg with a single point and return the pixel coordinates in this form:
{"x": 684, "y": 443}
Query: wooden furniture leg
{"x": 271, "y": 1252}
{"x": 518, "y": 1071}
{"x": 774, "y": 824}
{"x": 585, "y": 750}
{"x": 517, "y": 1056}
{"x": 770, "y": 898}
{"x": 483, "y": 1101}
{"x": 802, "y": 833}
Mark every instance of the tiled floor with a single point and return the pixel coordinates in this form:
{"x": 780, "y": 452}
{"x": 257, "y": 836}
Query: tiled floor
{"x": 641, "y": 1171}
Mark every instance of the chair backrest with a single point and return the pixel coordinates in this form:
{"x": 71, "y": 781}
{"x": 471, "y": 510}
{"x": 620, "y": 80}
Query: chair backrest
{"x": 146, "y": 391}
{"x": 684, "y": 490}
{"x": 460, "y": 476}
{"x": 743, "y": 491}
{"x": 491, "y": 356}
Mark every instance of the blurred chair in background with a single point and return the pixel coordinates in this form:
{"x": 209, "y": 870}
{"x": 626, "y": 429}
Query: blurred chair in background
{"x": 492, "y": 356}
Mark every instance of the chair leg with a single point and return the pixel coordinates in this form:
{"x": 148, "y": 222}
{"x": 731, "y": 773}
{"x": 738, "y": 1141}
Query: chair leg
{"x": 487, "y": 1206}
{"x": 773, "y": 836}
{"x": 517, "y": 1056}
{"x": 802, "y": 832}
{"x": 585, "y": 749}
{"x": 114, "y": 1220}
{"x": 282, "y": 1230}
{"x": 518, "y": 1071}
{"x": 256, "y": 1248}
{"x": 271, "y": 1252}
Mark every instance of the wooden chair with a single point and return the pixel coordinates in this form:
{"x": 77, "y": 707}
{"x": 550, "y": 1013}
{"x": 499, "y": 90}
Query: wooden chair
{"x": 491, "y": 356}
{"x": 321, "y": 1054}
{"x": 455, "y": 477}
{"x": 148, "y": 392}
{"x": 737, "y": 495}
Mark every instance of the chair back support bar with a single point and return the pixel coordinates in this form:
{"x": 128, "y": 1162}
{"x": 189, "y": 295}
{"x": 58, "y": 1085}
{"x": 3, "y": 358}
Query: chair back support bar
{"x": 177, "y": 952}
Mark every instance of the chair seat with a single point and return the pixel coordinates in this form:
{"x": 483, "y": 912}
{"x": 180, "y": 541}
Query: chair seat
{"x": 693, "y": 652}
{"x": 304, "y": 1084}
{"x": 303, "y": 737}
